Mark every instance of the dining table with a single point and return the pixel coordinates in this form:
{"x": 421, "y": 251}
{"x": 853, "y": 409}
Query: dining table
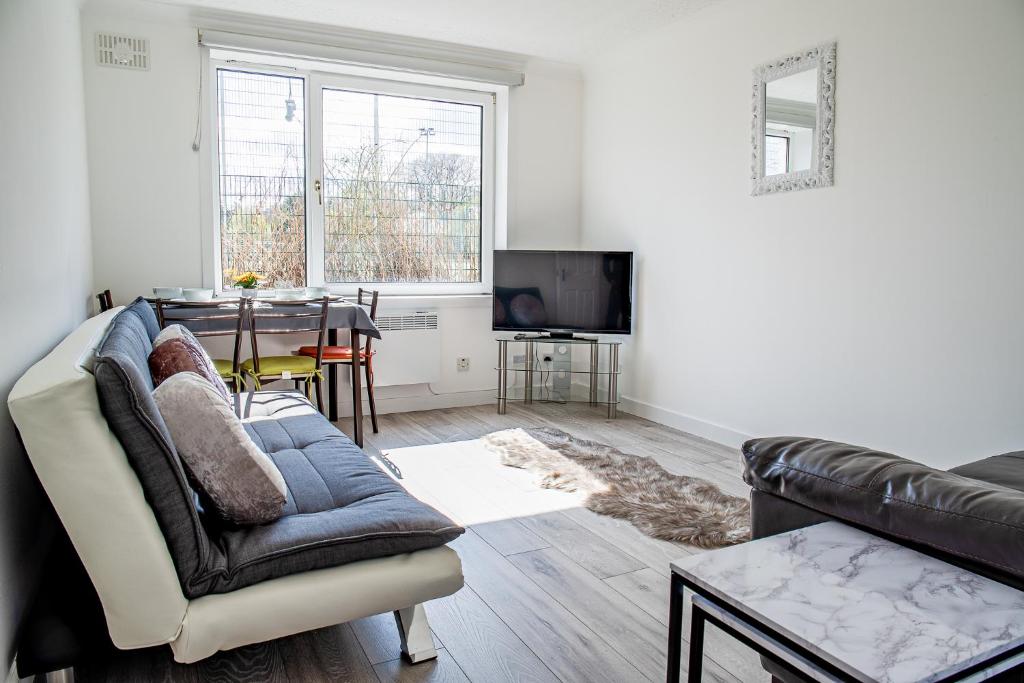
{"x": 342, "y": 315}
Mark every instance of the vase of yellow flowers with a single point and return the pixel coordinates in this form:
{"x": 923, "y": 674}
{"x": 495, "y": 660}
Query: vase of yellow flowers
{"x": 246, "y": 283}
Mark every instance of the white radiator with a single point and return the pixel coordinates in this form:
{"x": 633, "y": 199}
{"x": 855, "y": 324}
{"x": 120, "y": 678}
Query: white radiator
{"x": 409, "y": 350}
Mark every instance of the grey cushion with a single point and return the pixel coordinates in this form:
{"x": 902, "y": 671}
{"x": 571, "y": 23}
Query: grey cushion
{"x": 141, "y": 309}
{"x": 241, "y": 481}
{"x": 341, "y": 507}
{"x": 125, "y": 390}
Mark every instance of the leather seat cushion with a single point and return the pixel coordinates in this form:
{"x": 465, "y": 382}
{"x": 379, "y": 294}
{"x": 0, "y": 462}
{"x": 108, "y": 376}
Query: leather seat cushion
{"x": 973, "y": 519}
{"x": 1005, "y": 470}
{"x": 341, "y": 508}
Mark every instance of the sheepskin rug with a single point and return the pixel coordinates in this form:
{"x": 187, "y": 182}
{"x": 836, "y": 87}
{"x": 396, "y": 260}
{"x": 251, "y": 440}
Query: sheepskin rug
{"x": 631, "y": 487}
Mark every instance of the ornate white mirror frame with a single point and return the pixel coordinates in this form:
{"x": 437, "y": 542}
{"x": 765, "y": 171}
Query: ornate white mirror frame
{"x": 822, "y": 57}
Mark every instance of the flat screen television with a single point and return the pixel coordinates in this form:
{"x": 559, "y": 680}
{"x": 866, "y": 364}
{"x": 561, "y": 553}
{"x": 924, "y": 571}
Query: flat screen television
{"x": 563, "y": 292}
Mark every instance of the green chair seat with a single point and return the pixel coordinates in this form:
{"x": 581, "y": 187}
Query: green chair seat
{"x": 223, "y": 367}
{"x": 277, "y": 365}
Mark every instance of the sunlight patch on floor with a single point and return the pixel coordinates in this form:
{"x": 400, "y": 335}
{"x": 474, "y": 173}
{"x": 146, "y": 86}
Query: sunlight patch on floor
{"x": 466, "y": 481}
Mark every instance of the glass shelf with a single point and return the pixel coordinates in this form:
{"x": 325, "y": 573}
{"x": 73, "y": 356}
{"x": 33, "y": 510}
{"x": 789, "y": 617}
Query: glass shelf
{"x": 576, "y": 394}
{"x": 541, "y": 367}
{"x": 560, "y": 340}
{"x": 554, "y": 370}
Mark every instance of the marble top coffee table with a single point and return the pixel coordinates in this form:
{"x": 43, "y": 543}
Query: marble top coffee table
{"x": 835, "y": 603}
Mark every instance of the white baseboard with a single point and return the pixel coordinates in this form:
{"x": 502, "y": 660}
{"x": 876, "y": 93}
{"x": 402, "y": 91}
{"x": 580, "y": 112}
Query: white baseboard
{"x": 408, "y": 404}
{"x": 692, "y": 425}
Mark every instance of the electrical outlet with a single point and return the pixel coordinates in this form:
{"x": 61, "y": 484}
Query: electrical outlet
{"x": 462, "y": 364}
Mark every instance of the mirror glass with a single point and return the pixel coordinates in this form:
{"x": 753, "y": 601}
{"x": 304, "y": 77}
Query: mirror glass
{"x": 790, "y": 123}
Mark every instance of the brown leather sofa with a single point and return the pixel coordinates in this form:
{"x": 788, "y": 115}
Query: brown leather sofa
{"x": 971, "y": 516}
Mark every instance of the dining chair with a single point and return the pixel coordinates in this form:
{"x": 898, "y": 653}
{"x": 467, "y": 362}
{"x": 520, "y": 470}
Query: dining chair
{"x": 106, "y": 301}
{"x": 342, "y": 355}
{"x": 289, "y": 317}
{"x": 206, "y": 325}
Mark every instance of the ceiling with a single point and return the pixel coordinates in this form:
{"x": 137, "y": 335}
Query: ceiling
{"x": 799, "y": 87}
{"x": 561, "y": 30}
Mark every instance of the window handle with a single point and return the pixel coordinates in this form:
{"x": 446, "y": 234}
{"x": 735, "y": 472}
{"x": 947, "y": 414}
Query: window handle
{"x": 319, "y": 195}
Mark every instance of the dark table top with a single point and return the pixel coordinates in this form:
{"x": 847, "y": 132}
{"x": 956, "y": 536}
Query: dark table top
{"x": 340, "y": 315}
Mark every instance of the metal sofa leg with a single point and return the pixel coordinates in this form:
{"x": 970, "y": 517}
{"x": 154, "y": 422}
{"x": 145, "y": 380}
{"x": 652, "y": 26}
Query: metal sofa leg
{"x": 62, "y": 676}
{"x": 417, "y": 641}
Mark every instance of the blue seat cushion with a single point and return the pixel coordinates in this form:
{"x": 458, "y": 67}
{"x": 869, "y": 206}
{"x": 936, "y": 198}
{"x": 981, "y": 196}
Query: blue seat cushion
{"x": 341, "y": 508}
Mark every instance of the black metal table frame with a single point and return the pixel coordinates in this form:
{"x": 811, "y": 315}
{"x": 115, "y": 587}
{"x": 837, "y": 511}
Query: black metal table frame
{"x": 332, "y": 381}
{"x": 765, "y": 640}
{"x": 357, "y": 385}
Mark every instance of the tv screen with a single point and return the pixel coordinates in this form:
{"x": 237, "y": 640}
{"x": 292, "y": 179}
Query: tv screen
{"x": 563, "y": 291}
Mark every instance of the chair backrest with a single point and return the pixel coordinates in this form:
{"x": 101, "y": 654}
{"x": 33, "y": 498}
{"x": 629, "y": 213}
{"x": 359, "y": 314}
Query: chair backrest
{"x": 289, "y": 317}
{"x": 373, "y": 294}
{"x": 225, "y": 320}
{"x": 106, "y": 301}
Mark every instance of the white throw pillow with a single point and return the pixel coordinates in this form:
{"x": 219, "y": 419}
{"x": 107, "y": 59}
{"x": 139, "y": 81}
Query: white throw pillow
{"x": 241, "y": 481}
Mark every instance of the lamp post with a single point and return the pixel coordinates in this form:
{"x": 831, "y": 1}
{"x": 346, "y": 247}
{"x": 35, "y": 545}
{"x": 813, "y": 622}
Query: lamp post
{"x": 428, "y": 133}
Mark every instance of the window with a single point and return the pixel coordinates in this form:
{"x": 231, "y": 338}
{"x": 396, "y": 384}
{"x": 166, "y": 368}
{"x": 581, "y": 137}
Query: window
{"x": 342, "y": 181}
{"x": 776, "y": 158}
{"x": 401, "y": 189}
{"x": 262, "y": 177}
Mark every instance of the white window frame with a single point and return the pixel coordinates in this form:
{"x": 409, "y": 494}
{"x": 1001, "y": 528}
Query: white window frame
{"x": 494, "y": 155}
{"x": 781, "y": 133}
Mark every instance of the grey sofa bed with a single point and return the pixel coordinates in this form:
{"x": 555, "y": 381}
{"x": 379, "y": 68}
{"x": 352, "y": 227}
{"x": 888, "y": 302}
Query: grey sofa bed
{"x": 352, "y": 541}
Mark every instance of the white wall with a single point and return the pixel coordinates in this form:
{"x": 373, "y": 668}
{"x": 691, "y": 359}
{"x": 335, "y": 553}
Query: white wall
{"x": 885, "y": 310}
{"x": 544, "y": 158}
{"x": 146, "y": 184}
{"x": 45, "y": 261}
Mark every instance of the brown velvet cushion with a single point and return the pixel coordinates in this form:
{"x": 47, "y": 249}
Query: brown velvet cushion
{"x": 241, "y": 481}
{"x": 184, "y": 354}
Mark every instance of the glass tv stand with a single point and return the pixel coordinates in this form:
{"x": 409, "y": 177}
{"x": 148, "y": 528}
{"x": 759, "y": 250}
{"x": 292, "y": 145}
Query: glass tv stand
{"x": 558, "y": 370}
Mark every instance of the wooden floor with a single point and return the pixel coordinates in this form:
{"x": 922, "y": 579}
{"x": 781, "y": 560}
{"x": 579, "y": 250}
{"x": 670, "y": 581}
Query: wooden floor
{"x": 551, "y": 594}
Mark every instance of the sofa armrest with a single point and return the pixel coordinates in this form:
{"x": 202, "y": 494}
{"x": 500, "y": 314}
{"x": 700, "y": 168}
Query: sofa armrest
{"x": 964, "y": 517}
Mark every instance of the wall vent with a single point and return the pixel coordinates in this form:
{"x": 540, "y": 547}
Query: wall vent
{"x": 123, "y": 52}
{"x": 420, "y": 320}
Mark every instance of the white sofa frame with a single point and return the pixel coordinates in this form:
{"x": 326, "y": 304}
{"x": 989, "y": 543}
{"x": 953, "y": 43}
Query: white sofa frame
{"x": 100, "y": 502}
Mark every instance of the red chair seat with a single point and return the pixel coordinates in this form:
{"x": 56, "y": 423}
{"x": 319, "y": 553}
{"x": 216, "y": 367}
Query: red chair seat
{"x": 333, "y": 352}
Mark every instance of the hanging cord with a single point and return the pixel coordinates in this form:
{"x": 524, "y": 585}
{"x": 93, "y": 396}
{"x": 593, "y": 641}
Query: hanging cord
{"x": 198, "y": 137}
